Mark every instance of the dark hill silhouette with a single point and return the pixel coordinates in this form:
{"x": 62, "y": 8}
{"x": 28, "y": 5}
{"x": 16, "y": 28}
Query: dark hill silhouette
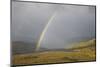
{"x": 19, "y": 47}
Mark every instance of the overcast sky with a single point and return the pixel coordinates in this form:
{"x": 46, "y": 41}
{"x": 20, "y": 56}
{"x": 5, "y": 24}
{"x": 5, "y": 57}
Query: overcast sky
{"x": 71, "y": 23}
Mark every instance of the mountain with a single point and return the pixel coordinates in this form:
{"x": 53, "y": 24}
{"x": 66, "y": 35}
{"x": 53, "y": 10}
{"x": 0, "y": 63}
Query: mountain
{"x": 19, "y": 47}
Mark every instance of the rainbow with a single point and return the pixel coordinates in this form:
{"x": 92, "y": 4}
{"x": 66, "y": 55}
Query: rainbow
{"x": 44, "y": 31}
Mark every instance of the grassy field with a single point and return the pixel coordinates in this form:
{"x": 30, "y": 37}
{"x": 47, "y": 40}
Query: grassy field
{"x": 83, "y": 51}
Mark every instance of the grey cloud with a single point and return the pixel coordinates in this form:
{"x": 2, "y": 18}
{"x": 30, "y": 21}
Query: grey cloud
{"x": 71, "y": 24}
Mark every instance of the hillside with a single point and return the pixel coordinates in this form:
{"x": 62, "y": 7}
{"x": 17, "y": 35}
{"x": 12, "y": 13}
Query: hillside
{"x": 85, "y": 52}
{"x": 89, "y": 43}
{"x": 19, "y": 47}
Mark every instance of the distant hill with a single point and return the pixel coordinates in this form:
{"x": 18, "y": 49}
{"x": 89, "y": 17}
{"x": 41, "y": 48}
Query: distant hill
{"x": 89, "y": 43}
{"x": 19, "y": 47}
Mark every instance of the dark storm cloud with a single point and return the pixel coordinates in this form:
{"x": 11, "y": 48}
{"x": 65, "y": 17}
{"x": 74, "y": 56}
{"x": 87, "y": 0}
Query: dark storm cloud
{"x": 29, "y": 19}
{"x": 71, "y": 23}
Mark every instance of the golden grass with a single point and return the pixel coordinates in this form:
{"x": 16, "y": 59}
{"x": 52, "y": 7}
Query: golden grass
{"x": 81, "y": 54}
{"x": 84, "y": 44}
